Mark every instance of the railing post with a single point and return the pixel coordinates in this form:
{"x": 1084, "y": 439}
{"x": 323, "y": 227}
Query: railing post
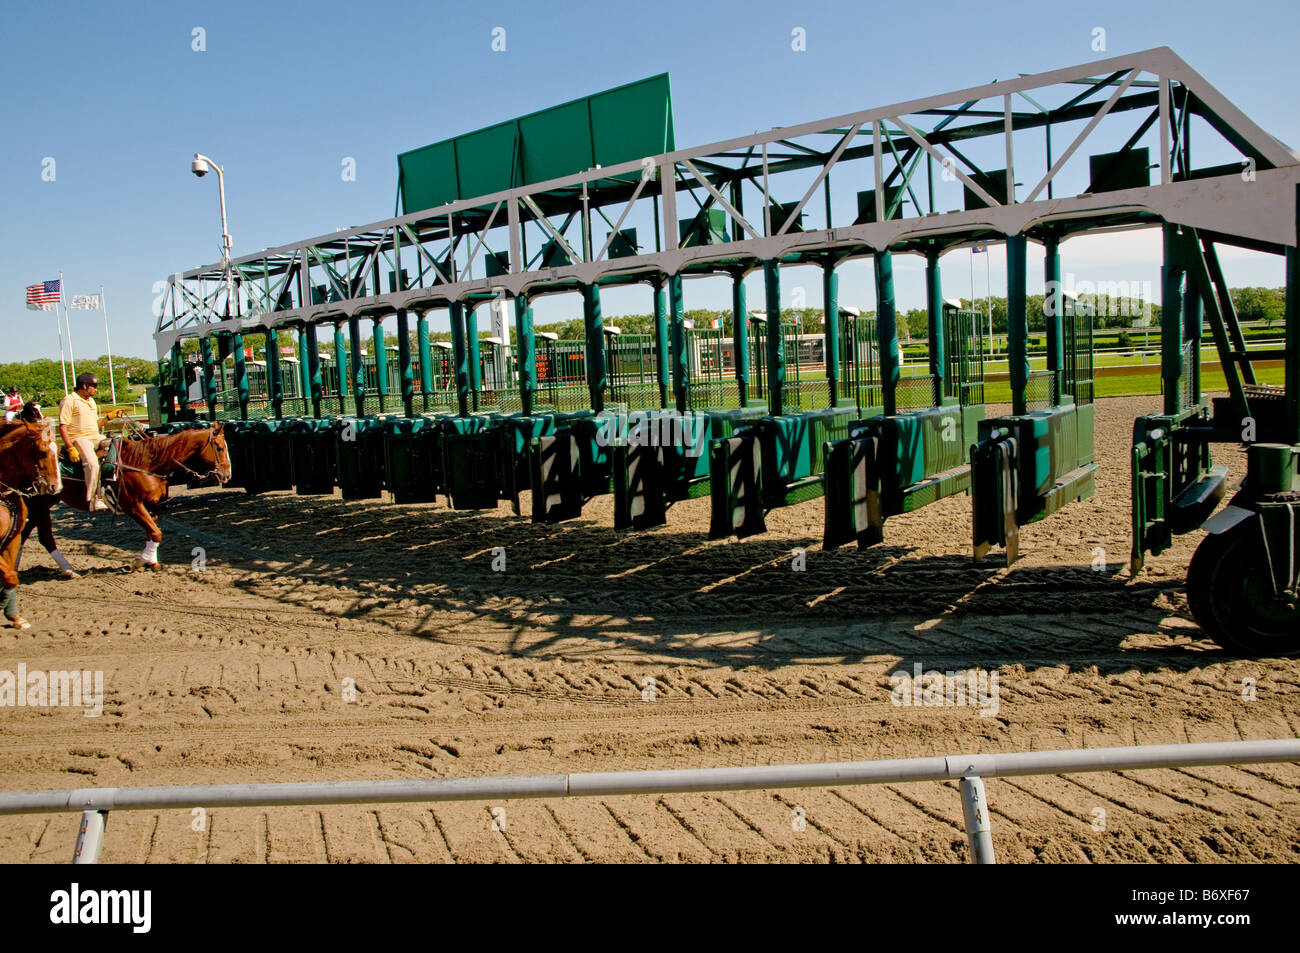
{"x": 90, "y": 835}
{"x": 975, "y": 808}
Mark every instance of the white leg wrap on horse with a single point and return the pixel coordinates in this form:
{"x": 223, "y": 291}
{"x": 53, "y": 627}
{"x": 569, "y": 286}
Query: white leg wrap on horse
{"x": 61, "y": 560}
{"x": 150, "y": 554}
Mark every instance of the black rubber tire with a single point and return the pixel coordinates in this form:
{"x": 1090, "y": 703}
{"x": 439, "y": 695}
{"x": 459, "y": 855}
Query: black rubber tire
{"x": 1231, "y": 595}
{"x": 1205, "y": 562}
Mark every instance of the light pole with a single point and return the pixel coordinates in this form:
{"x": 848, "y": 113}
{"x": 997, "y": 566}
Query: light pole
{"x": 201, "y": 166}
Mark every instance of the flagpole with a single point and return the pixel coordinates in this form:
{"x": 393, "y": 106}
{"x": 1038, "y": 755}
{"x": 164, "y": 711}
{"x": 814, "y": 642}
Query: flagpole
{"x": 103, "y": 306}
{"x": 72, "y": 358}
{"x": 59, "y": 321}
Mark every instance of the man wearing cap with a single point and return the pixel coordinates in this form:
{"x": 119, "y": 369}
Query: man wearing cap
{"x": 79, "y": 424}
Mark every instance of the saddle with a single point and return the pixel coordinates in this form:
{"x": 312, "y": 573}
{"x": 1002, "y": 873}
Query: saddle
{"x": 108, "y": 459}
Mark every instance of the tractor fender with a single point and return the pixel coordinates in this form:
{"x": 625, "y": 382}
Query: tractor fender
{"x": 1226, "y": 519}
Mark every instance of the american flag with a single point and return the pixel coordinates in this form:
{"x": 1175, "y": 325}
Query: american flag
{"x": 43, "y": 296}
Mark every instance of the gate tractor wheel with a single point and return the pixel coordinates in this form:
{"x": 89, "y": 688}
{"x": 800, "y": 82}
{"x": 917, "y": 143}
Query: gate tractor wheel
{"x": 1230, "y": 593}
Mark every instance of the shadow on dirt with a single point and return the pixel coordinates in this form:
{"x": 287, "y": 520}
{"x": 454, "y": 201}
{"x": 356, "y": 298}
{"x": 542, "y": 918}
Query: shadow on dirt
{"x": 580, "y": 589}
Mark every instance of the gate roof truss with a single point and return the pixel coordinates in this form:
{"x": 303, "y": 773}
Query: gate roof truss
{"x": 333, "y": 276}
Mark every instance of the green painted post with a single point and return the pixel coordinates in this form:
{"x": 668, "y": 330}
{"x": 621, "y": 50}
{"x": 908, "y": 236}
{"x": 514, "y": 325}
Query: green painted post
{"x": 274, "y": 385}
{"x": 1291, "y": 378}
{"x": 1053, "y": 311}
{"x": 887, "y": 330}
{"x": 426, "y": 356}
{"x": 381, "y": 361}
{"x": 209, "y": 392}
{"x": 174, "y": 397}
{"x": 661, "y": 342}
{"x": 831, "y": 311}
{"x": 681, "y": 369}
{"x": 775, "y": 352}
{"x": 355, "y": 369}
{"x": 313, "y": 369}
{"x": 594, "y": 333}
{"x": 525, "y": 353}
{"x": 341, "y": 362}
{"x": 740, "y": 335}
{"x": 304, "y": 372}
{"x": 1017, "y": 321}
{"x": 241, "y": 373}
{"x": 1171, "y": 319}
{"x": 404, "y": 363}
{"x": 1193, "y": 321}
{"x": 460, "y": 357}
{"x": 471, "y": 346}
{"x": 934, "y": 324}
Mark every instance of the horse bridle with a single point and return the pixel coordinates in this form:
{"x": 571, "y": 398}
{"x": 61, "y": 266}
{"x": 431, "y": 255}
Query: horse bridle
{"x": 212, "y": 439}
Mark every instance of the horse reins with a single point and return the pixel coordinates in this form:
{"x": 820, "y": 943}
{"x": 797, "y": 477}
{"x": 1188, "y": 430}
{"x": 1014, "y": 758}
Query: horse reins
{"x": 212, "y": 437}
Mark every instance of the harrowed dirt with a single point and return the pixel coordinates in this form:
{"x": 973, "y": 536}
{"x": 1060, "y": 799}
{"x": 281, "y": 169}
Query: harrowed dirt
{"x": 598, "y": 650}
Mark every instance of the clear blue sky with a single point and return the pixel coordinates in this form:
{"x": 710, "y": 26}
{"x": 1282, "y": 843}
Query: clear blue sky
{"x": 117, "y": 97}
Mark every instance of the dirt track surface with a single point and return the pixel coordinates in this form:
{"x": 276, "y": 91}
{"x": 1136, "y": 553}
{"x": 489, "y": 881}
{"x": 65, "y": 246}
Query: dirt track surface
{"x": 236, "y": 674}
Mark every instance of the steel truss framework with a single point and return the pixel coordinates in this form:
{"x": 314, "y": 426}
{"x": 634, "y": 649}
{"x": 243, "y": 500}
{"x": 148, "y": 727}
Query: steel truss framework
{"x": 542, "y": 239}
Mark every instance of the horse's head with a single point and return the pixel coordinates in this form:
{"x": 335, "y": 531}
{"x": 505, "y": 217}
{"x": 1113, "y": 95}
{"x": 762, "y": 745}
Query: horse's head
{"x": 213, "y": 456}
{"x": 38, "y": 458}
{"x": 32, "y": 412}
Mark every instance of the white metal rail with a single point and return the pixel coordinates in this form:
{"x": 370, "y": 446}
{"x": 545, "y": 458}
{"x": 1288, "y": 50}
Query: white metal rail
{"x": 95, "y": 803}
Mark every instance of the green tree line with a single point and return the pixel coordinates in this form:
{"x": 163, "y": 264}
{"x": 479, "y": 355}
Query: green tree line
{"x": 42, "y": 380}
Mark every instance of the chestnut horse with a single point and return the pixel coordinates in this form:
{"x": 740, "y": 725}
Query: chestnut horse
{"x": 29, "y": 465}
{"x": 143, "y": 470}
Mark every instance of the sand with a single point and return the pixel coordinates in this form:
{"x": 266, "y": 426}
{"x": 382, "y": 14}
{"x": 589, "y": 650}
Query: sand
{"x": 597, "y": 650}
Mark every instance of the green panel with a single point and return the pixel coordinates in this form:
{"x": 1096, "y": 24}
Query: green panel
{"x": 707, "y": 227}
{"x": 618, "y": 125}
{"x": 428, "y": 176}
{"x": 994, "y": 183}
{"x": 867, "y": 205}
{"x": 633, "y": 121}
{"x": 1112, "y": 171}
{"x": 487, "y": 160}
{"x": 556, "y": 142}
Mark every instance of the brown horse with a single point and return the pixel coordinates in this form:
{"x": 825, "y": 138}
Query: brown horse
{"x": 29, "y": 465}
{"x": 144, "y": 468}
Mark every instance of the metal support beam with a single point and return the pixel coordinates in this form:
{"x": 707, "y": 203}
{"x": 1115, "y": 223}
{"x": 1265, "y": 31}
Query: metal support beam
{"x": 661, "y": 341}
{"x": 740, "y": 336}
{"x": 404, "y": 362}
{"x": 460, "y": 357}
{"x": 274, "y": 385}
{"x": 594, "y": 331}
{"x": 934, "y": 323}
{"x": 1017, "y": 321}
{"x": 304, "y": 374}
{"x": 209, "y": 392}
{"x": 525, "y": 353}
{"x": 975, "y": 810}
{"x": 775, "y": 352}
{"x": 1198, "y": 287}
{"x": 381, "y": 362}
{"x": 1171, "y": 324}
{"x": 426, "y": 357}
{"x": 831, "y": 310}
{"x": 1053, "y": 300}
{"x": 357, "y": 372}
{"x": 887, "y": 330}
{"x": 90, "y": 836}
{"x": 341, "y": 362}
{"x": 313, "y": 369}
{"x": 681, "y": 370}
{"x": 472, "y": 354}
{"x": 1292, "y": 372}
{"x": 241, "y": 373}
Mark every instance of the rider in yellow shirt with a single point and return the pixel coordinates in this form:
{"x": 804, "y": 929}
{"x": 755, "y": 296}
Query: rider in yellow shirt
{"x": 79, "y": 424}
